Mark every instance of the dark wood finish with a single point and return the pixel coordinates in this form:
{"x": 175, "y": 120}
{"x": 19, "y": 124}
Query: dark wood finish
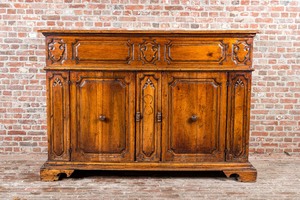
{"x": 148, "y": 100}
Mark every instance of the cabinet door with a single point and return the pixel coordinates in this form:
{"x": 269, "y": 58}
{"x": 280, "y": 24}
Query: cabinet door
{"x": 194, "y": 122}
{"x": 148, "y": 119}
{"x": 102, "y": 116}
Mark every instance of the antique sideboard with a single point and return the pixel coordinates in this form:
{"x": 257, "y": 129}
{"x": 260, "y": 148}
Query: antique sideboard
{"x": 148, "y": 100}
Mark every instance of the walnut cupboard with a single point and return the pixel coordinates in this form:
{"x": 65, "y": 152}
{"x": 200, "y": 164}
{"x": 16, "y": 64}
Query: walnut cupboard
{"x": 148, "y": 100}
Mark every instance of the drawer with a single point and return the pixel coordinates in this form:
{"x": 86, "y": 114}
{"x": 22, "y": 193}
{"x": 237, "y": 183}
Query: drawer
{"x": 102, "y": 51}
{"x": 196, "y": 51}
{"x": 149, "y": 52}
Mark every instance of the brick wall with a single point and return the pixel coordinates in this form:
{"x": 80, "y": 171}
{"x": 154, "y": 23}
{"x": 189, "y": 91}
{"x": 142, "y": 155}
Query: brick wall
{"x": 275, "y": 115}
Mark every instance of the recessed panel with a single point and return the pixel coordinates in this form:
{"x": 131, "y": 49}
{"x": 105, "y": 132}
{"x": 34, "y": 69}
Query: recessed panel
{"x": 102, "y": 105}
{"x": 103, "y": 51}
{"x": 193, "y": 115}
{"x": 195, "y": 51}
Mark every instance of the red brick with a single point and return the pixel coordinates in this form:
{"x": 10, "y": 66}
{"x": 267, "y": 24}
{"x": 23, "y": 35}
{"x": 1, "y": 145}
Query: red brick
{"x": 134, "y": 7}
{"x": 127, "y": 18}
{"x": 153, "y": 7}
{"x": 288, "y": 101}
{"x": 184, "y": 19}
{"x": 50, "y": 17}
{"x": 293, "y": 9}
{"x": 81, "y": 6}
{"x": 5, "y": 5}
{"x": 16, "y": 133}
{"x": 269, "y": 145}
{"x": 259, "y": 133}
{"x": 173, "y": 7}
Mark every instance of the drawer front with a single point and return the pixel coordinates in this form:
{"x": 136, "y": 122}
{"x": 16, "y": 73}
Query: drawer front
{"x": 149, "y": 53}
{"x": 113, "y": 51}
{"x": 196, "y": 51}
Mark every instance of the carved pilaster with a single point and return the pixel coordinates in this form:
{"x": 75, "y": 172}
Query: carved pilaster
{"x": 238, "y": 115}
{"x": 148, "y": 131}
{"x": 58, "y": 115}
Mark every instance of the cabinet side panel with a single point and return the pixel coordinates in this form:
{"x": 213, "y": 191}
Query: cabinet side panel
{"x": 239, "y": 91}
{"x": 58, "y": 115}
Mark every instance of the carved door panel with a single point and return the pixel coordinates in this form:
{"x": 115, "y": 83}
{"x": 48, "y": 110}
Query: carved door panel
{"x": 148, "y": 117}
{"x": 194, "y": 108}
{"x": 102, "y": 116}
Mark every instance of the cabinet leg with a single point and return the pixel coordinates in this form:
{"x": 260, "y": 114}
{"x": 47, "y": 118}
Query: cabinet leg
{"x": 248, "y": 175}
{"x": 53, "y": 174}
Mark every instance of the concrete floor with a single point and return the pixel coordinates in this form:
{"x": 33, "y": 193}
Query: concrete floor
{"x": 278, "y": 178}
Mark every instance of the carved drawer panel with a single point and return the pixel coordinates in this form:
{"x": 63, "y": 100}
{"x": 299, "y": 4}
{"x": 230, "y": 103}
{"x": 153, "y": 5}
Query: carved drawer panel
{"x": 199, "y": 51}
{"x": 100, "y": 51}
{"x": 149, "y": 52}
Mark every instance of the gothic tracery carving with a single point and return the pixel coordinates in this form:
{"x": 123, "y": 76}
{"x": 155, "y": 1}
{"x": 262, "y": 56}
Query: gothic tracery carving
{"x": 57, "y": 82}
{"x": 239, "y": 83}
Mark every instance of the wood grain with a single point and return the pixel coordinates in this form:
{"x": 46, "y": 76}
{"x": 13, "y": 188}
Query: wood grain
{"x": 58, "y": 115}
{"x": 148, "y": 130}
{"x": 199, "y": 95}
{"x": 109, "y": 95}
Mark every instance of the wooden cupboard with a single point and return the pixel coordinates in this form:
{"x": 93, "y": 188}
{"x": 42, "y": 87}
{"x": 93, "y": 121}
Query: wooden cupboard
{"x": 148, "y": 100}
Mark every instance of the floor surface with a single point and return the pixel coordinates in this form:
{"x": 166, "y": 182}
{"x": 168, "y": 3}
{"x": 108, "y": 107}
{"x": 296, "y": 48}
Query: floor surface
{"x": 278, "y": 178}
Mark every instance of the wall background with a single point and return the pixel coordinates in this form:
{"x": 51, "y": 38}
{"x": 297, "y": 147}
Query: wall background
{"x": 275, "y": 115}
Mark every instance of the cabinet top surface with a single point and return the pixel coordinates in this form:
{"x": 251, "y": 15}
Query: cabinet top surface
{"x": 161, "y": 32}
